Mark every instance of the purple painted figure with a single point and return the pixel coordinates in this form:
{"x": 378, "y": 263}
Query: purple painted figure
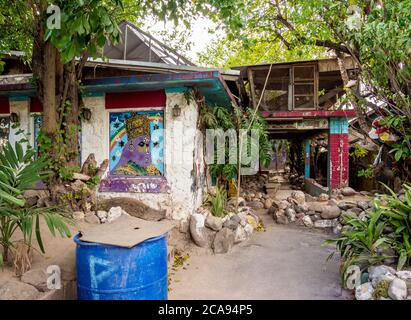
{"x": 136, "y": 151}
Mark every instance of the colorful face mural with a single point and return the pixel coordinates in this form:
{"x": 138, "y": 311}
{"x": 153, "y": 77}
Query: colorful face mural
{"x": 137, "y": 143}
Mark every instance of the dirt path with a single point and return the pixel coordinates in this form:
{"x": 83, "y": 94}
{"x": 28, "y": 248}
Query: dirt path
{"x": 281, "y": 263}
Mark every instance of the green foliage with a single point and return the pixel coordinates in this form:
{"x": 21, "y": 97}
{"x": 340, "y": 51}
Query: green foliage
{"x": 227, "y": 52}
{"x": 218, "y": 202}
{"x": 19, "y": 170}
{"x": 93, "y": 182}
{"x": 86, "y": 25}
{"x": 359, "y": 243}
{"x": 225, "y": 119}
{"x": 367, "y": 242}
{"x": 397, "y": 209}
{"x": 365, "y": 173}
{"x": 375, "y": 34}
{"x": 359, "y": 151}
{"x": 66, "y": 173}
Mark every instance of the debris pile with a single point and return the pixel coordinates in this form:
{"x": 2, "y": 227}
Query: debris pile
{"x": 222, "y": 233}
{"x": 384, "y": 283}
{"x": 318, "y": 212}
{"x": 77, "y": 191}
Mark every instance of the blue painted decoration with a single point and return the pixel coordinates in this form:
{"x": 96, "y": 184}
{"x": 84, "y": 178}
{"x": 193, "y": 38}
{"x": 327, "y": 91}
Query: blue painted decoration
{"x": 307, "y": 148}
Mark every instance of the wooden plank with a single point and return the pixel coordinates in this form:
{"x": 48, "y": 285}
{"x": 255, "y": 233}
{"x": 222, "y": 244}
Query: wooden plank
{"x": 252, "y": 88}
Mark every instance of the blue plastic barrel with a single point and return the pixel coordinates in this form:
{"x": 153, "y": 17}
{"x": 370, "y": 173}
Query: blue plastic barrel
{"x": 106, "y": 272}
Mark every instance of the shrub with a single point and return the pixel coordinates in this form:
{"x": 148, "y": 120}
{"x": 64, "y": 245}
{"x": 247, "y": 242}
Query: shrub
{"x": 19, "y": 170}
{"x": 384, "y": 234}
{"x": 218, "y": 202}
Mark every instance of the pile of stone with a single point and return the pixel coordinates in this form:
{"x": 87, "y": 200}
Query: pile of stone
{"x": 222, "y": 233}
{"x": 78, "y": 192}
{"x": 384, "y": 283}
{"x": 318, "y": 212}
{"x": 296, "y": 180}
{"x": 253, "y": 184}
{"x": 100, "y": 216}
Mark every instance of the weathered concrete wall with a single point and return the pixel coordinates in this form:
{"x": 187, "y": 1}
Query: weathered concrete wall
{"x": 95, "y": 133}
{"x": 184, "y": 166}
{"x": 26, "y": 121}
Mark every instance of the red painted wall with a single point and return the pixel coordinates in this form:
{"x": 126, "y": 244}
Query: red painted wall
{"x": 118, "y": 100}
{"x": 35, "y": 105}
{"x": 4, "y": 105}
{"x": 338, "y": 148}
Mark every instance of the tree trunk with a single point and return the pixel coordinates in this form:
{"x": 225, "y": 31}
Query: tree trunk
{"x": 364, "y": 127}
{"x": 50, "y": 124}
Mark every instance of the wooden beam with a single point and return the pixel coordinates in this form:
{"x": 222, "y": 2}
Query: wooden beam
{"x": 252, "y": 89}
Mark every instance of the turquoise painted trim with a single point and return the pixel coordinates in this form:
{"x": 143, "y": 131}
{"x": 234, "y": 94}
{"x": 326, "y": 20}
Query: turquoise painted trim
{"x": 307, "y": 148}
{"x": 344, "y": 125}
{"x": 177, "y": 90}
{"x": 94, "y": 94}
{"x": 18, "y": 98}
{"x": 335, "y": 126}
{"x": 338, "y": 125}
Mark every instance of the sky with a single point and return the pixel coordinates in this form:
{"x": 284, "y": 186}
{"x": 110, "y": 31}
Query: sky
{"x": 199, "y": 38}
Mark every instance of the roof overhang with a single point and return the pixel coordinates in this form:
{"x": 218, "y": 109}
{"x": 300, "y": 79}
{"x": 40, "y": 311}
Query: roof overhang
{"x": 210, "y": 84}
{"x": 297, "y": 115}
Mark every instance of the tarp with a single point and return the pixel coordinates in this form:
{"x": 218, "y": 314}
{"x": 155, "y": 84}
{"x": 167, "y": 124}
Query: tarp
{"x": 126, "y": 231}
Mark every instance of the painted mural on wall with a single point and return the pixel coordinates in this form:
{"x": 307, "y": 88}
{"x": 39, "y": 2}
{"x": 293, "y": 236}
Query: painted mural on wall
{"x": 136, "y": 144}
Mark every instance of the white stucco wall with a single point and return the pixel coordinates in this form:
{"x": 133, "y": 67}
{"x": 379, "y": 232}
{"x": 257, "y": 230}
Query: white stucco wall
{"x": 26, "y": 121}
{"x": 181, "y": 158}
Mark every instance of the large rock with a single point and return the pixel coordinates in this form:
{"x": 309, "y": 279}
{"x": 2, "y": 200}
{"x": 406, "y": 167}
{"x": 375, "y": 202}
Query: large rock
{"x": 325, "y": 223}
{"x": 223, "y": 241}
{"x": 378, "y": 271}
{"x": 298, "y": 196}
{"x": 345, "y": 205}
{"x": 307, "y": 221}
{"x": 317, "y": 206}
{"x": 385, "y": 277}
{"x": 214, "y": 223}
{"x": 397, "y": 289}
{"x": 248, "y": 229}
{"x": 114, "y": 213}
{"x": 405, "y": 275}
{"x": 282, "y": 220}
{"x": 233, "y": 201}
{"x": 348, "y": 191}
{"x": 37, "y": 278}
{"x": 362, "y": 204}
{"x": 323, "y": 197}
{"x": 92, "y": 218}
{"x": 78, "y": 186}
{"x": 255, "y": 204}
{"x": 197, "y": 226}
{"x": 78, "y": 215}
{"x": 337, "y": 229}
{"x": 268, "y": 203}
{"x": 364, "y": 291}
{"x": 232, "y": 223}
{"x": 240, "y": 235}
{"x": 330, "y": 212}
{"x": 17, "y": 290}
{"x": 301, "y": 208}
{"x": 282, "y": 205}
{"x": 290, "y": 214}
{"x": 134, "y": 208}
